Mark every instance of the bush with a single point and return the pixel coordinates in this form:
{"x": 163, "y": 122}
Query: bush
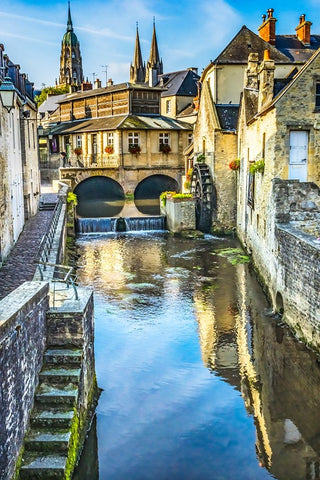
{"x": 257, "y": 166}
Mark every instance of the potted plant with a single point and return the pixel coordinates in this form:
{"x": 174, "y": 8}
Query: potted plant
{"x": 257, "y": 166}
{"x": 134, "y": 149}
{"x": 78, "y": 151}
{"x": 165, "y": 148}
{"x": 235, "y": 164}
{"x": 109, "y": 149}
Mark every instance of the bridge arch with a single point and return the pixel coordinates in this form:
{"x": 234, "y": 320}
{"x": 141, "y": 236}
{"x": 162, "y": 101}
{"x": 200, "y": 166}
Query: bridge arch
{"x": 99, "y": 196}
{"x": 147, "y": 192}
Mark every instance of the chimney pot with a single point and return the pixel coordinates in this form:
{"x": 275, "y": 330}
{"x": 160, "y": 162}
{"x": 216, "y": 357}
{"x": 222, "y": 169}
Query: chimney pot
{"x": 267, "y": 31}
{"x": 303, "y": 30}
{"x": 270, "y": 12}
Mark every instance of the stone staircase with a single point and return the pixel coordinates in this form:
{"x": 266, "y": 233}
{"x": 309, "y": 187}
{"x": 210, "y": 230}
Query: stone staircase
{"x": 49, "y": 438}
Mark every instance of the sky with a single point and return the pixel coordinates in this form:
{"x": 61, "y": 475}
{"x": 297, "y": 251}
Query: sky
{"x": 190, "y": 33}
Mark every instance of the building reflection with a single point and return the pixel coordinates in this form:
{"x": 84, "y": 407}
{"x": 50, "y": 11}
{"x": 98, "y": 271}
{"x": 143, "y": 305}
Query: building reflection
{"x": 88, "y": 467}
{"x": 278, "y": 377}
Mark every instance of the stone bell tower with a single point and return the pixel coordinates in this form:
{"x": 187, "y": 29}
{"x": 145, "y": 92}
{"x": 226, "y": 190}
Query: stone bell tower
{"x": 70, "y": 58}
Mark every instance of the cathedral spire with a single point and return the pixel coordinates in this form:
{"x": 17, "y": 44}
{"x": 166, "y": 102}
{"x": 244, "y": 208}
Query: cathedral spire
{"x": 70, "y": 58}
{"x": 137, "y": 69}
{"x": 69, "y": 24}
{"x": 154, "y": 66}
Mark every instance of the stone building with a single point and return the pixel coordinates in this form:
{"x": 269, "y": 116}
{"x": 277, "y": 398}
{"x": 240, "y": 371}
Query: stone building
{"x": 19, "y": 164}
{"x": 278, "y": 186}
{"x": 215, "y": 134}
{"x": 70, "y": 58}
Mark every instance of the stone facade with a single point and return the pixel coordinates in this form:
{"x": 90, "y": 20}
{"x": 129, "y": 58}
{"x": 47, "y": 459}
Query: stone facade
{"x": 23, "y": 341}
{"x": 20, "y": 185}
{"x": 180, "y": 214}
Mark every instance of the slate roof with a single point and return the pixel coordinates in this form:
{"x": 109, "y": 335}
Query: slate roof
{"x": 51, "y": 103}
{"x": 188, "y": 111}
{"x": 228, "y": 116}
{"x": 181, "y": 83}
{"x": 288, "y": 48}
{"x": 294, "y": 49}
{"x": 123, "y": 122}
{"x": 245, "y": 42}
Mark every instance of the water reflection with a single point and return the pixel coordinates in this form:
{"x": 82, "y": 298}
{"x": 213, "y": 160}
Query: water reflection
{"x": 198, "y": 382}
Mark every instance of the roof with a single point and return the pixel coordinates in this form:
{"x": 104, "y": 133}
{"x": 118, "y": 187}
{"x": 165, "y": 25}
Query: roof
{"x": 295, "y": 50}
{"x": 245, "y": 42}
{"x": 113, "y": 88}
{"x": 51, "y": 103}
{"x": 228, "y": 117}
{"x": 188, "y": 111}
{"x": 181, "y": 83}
{"x": 123, "y": 122}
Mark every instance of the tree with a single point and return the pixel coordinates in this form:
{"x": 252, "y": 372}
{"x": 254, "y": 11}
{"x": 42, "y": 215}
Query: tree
{"x": 50, "y": 91}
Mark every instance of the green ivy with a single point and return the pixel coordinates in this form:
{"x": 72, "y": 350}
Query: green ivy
{"x": 257, "y": 166}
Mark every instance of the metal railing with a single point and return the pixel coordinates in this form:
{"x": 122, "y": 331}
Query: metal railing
{"x": 63, "y": 274}
{"x": 47, "y": 240}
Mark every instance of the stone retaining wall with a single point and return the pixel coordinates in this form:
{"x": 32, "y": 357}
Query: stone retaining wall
{"x": 22, "y": 343}
{"x": 299, "y": 282}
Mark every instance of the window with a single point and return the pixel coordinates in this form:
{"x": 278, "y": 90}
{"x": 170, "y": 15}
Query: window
{"x": 133, "y": 138}
{"x": 163, "y": 139}
{"x": 79, "y": 141}
{"x": 110, "y": 139}
{"x": 318, "y": 95}
{"x": 190, "y": 138}
{"x": 168, "y": 106}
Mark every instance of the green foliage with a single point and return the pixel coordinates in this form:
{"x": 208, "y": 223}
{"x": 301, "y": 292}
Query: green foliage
{"x": 201, "y": 158}
{"x": 164, "y": 195}
{"x": 235, "y": 256}
{"x": 72, "y": 198}
{"x": 182, "y": 195}
{"x": 52, "y": 91}
{"x": 257, "y": 166}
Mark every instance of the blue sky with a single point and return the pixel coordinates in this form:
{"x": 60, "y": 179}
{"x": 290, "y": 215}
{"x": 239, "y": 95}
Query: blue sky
{"x": 190, "y": 33}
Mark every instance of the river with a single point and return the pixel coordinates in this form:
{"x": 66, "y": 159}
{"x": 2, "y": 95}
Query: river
{"x": 199, "y": 380}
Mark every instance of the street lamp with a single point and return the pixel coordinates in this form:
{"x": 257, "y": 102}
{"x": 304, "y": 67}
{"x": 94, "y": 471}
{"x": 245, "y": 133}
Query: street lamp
{"x": 7, "y": 93}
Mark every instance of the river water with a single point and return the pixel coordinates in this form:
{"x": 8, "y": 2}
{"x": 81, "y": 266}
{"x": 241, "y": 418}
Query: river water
{"x": 199, "y": 381}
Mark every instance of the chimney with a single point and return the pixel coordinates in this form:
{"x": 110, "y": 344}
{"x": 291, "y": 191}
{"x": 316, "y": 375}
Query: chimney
{"x": 97, "y": 83}
{"x": 251, "y": 74}
{"x": 85, "y": 86}
{"x": 266, "y": 81}
{"x": 267, "y": 31}
{"x": 110, "y": 82}
{"x": 303, "y": 31}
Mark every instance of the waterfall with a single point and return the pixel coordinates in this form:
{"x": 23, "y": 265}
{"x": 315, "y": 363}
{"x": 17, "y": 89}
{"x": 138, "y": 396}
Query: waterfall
{"x": 119, "y": 224}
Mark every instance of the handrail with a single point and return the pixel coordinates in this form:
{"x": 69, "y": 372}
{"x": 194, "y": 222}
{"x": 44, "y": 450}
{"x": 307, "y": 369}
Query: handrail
{"x": 47, "y": 239}
{"x": 68, "y": 278}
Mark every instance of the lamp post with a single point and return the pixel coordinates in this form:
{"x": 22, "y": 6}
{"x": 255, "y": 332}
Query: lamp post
{"x": 7, "y": 93}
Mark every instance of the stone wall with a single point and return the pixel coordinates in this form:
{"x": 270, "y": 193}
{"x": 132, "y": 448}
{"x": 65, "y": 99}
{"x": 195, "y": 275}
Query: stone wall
{"x": 22, "y": 343}
{"x": 181, "y": 214}
{"x": 299, "y": 282}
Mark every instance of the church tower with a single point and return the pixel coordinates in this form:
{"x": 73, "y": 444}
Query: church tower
{"x": 154, "y": 65}
{"x": 70, "y": 58}
{"x": 137, "y": 69}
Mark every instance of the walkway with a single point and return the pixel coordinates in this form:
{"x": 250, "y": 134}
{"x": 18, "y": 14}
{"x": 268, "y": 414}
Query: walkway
{"x": 20, "y": 266}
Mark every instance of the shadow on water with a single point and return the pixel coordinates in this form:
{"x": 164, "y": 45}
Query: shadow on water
{"x": 88, "y": 467}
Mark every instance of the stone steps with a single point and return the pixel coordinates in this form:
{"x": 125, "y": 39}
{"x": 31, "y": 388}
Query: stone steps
{"x": 51, "y": 417}
{"x": 47, "y": 443}
{"x": 50, "y": 467}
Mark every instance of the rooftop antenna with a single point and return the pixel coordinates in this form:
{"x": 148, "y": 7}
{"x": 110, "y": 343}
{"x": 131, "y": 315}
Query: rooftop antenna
{"x": 106, "y": 72}
{"x": 93, "y": 76}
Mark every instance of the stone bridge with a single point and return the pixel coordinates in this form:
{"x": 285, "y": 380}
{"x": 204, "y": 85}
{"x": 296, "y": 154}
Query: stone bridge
{"x": 127, "y": 177}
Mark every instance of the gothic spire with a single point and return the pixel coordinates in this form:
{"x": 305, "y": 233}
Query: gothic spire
{"x": 154, "y": 66}
{"x": 69, "y": 24}
{"x": 137, "y": 69}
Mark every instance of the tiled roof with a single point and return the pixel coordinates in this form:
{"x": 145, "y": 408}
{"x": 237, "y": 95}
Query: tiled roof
{"x": 294, "y": 49}
{"x": 156, "y": 122}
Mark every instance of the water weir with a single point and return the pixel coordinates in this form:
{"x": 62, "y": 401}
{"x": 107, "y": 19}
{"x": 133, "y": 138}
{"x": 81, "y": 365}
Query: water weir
{"x": 119, "y": 224}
